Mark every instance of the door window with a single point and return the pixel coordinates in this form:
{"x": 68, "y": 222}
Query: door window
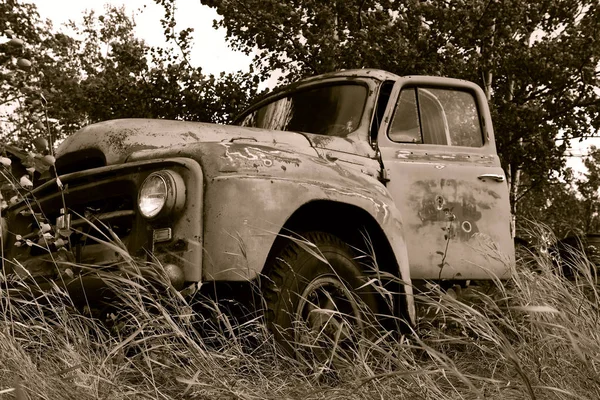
{"x": 436, "y": 116}
{"x": 405, "y": 126}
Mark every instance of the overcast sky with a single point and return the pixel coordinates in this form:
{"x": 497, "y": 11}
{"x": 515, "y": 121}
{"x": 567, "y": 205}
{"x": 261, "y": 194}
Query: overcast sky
{"x": 210, "y": 49}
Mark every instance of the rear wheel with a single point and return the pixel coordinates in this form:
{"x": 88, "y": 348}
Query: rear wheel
{"x": 316, "y": 297}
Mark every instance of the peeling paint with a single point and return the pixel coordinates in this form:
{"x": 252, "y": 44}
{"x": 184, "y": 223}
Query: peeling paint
{"x": 380, "y": 208}
{"x": 435, "y": 201}
{"x": 190, "y": 135}
{"x": 455, "y": 157}
{"x": 242, "y": 155}
{"x": 118, "y": 139}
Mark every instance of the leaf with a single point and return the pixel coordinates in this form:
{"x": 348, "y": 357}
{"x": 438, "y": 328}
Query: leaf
{"x": 44, "y": 227}
{"x": 49, "y": 160}
{"x": 5, "y": 161}
{"x": 40, "y": 143}
{"x": 24, "y": 64}
{"x": 25, "y": 182}
{"x": 16, "y": 42}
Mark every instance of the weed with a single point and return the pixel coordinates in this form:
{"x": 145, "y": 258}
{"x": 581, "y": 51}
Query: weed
{"x": 535, "y": 336}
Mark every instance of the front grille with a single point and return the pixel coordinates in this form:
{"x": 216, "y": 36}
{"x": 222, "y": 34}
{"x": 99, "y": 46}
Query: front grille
{"x": 92, "y": 221}
{"x": 101, "y": 205}
{"x": 80, "y": 161}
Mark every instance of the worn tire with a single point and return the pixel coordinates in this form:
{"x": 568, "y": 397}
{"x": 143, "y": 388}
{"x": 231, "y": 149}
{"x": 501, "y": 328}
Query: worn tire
{"x": 305, "y": 296}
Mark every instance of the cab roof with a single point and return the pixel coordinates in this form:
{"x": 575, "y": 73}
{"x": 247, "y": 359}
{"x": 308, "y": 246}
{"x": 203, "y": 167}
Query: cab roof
{"x": 350, "y": 74}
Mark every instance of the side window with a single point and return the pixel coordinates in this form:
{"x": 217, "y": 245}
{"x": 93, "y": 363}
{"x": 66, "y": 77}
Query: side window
{"x": 405, "y": 125}
{"x": 435, "y": 122}
{"x": 382, "y": 101}
{"x": 437, "y": 116}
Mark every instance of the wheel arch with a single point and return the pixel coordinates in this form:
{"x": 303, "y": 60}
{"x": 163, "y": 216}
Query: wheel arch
{"x": 356, "y": 227}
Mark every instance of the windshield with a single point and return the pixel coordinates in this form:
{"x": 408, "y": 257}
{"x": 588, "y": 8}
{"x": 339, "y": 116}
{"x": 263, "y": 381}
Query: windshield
{"x": 333, "y": 110}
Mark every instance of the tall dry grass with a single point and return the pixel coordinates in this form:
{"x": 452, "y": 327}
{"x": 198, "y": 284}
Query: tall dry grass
{"x": 535, "y": 336}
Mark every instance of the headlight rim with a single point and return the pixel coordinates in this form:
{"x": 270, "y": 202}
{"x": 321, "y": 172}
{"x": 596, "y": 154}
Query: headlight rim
{"x": 141, "y": 189}
{"x": 175, "y": 193}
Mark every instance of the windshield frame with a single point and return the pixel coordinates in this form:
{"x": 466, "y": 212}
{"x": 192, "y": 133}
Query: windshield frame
{"x": 317, "y": 86}
{"x": 362, "y": 130}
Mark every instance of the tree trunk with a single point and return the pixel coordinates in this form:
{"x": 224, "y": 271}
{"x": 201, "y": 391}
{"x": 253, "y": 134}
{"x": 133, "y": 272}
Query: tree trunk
{"x": 514, "y": 179}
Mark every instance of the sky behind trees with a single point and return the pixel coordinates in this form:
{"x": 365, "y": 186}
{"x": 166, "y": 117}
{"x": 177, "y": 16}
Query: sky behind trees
{"x": 210, "y": 49}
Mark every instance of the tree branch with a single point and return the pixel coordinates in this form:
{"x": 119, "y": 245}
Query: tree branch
{"x": 286, "y": 35}
{"x": 11, "y": 99}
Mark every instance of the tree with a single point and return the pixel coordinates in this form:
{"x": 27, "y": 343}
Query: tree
{"x": 21, "y": 31}
{"x": 558, "y": 205}
{"x": 589, "y": 188}
{"x": 101, "y": 72}
{"x": 134, "y": 80}
{"x": 536, "y": 60}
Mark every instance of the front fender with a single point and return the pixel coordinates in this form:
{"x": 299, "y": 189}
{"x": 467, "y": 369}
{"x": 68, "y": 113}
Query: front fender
{"x": 255, "y": 189}
{"x": 251, "y": 191}
{"x": 243, "y": 216}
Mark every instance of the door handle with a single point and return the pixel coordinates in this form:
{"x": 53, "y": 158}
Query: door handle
{"x": 496, "y": 177}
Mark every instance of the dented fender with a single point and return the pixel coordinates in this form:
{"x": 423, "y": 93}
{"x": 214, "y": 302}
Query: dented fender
{"x": 252, "y": 189}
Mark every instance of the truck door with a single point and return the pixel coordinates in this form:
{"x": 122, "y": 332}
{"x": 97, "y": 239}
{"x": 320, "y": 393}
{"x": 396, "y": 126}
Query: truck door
{"x": 438, "y": 151}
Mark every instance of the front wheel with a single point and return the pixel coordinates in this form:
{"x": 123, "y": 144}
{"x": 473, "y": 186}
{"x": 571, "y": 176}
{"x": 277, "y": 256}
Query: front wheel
{"x": 316, "y": 297}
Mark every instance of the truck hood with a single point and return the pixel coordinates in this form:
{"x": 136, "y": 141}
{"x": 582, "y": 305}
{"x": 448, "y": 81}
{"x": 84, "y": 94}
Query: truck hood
{"x": 112, "y": 142}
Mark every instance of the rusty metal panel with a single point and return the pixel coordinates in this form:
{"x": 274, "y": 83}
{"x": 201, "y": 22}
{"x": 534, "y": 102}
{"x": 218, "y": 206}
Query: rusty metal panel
{"x": 453, "y": 199}
{"x": 244, "y": 214}
{"x": 117, "y": 139}
{"x": 274, "y": 186}
{"x": 457, "y": 226}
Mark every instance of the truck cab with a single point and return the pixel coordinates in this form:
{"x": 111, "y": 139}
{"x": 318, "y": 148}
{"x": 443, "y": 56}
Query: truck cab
{"x": 430, "y": 142}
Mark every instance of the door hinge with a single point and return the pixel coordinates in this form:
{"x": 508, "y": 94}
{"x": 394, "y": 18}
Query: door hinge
{"x": 384, "y": 176}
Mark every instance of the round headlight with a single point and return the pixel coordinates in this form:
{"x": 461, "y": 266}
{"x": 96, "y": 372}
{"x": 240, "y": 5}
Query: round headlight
{"x": 161, "y": 194}
{"x": 153, "y": 195}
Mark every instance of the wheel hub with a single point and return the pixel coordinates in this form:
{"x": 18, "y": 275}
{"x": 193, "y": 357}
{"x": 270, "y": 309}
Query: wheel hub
{"x": 327, "y": 314}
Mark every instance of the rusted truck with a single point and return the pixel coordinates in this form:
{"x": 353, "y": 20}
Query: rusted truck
{"x": 318, "y": 190}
